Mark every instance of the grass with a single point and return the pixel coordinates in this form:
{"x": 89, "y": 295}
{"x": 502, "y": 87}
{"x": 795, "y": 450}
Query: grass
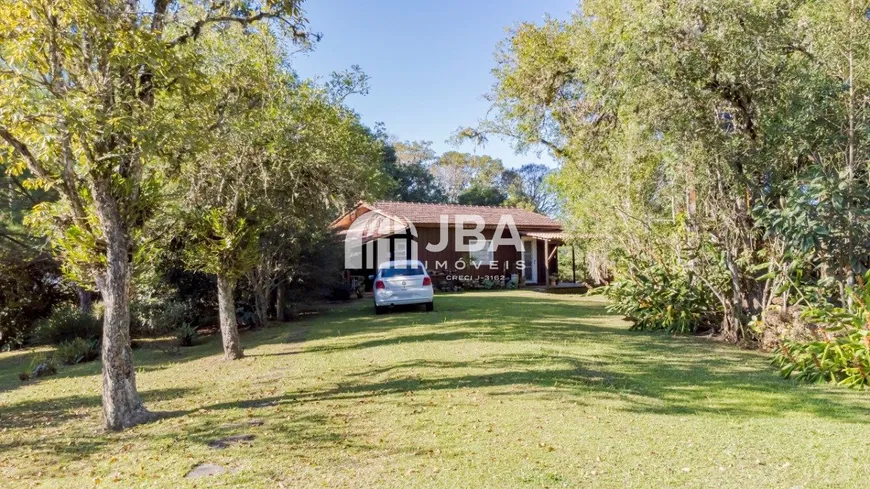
{"x": 498, "y": 389}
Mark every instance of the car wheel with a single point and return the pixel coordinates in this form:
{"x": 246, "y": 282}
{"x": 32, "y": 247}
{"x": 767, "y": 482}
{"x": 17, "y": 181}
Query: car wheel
{"x": 430, "y": 306}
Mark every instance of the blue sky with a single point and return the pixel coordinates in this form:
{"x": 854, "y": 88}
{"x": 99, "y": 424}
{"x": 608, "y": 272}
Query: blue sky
{"x": 429, "y": 62}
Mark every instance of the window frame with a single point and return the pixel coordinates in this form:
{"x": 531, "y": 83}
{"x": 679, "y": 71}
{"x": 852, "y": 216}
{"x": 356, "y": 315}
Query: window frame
{"x": 488, "y": 249}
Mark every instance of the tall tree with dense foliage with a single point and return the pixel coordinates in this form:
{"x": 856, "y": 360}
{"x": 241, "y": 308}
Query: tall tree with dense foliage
{"x": 284, "y": 157}
{"x": 458, "y": 173}
{"x": 407, "y": 165}
{"x": 83, "y": 87}
{"x": 696, "y": 138}
{"x": 529, "y": 187}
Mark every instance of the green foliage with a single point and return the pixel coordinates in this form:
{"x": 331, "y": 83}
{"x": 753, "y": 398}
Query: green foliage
{"x": 824, "y": 214}
{"x": 844, "y": 360}
{"x": 841, "y": 353}
{"x": 41, "y": 364}
{"x": 731, "y": 133}
{"x": 30, "y": 286}
{"x": 221, "y": 244}
{"x": 476, "y": 195}
{"x": 67, "y": 323}
{"x": 186, "y": 334}
{"x": 78, "y": 350}
{"x": 406, "y": 165}
{"x": 172, "y": 316}
{"x": 658, "y": 297}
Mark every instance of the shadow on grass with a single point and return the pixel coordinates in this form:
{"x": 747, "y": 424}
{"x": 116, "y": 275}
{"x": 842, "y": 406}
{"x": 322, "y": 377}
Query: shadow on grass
{"x": 681, "y": 388}
{"x": 646, "y": 373}
{"x": 650, "y": 372}
{"x": 151, "y": 355}
{"x": 31, "y": 416}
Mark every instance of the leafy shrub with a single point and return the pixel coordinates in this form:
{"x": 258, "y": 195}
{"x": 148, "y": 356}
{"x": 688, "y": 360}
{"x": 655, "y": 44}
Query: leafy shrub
{"x": 172, "y": 316}
{"x": 841, "y": 353}
{"x": 30, "y": 286}
{"x": 67, "y": 323}
{"x": 659, "y": 298}
{"x": 153, "y": 319}
{"x": 844, "y": 360}
{"x": 40, "y": 366}
{"x": 78, "y": 350}
{"x": 186, "y": 333}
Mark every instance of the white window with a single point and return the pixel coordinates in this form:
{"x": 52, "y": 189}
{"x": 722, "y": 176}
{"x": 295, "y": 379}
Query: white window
{"x": 481, "y": 257}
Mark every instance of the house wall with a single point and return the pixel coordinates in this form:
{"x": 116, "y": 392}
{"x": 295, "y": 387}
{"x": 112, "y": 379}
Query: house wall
{"x": 505, "y": 256}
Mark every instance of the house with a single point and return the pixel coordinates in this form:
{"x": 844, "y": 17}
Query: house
{"x": 457, "y": 242}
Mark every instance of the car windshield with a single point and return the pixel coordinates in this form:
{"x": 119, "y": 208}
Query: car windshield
{"x": 402, "y": 271}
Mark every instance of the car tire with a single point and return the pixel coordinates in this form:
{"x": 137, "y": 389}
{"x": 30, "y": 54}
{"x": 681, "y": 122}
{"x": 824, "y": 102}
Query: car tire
{"x": 380, "y": 310}
{"x": 430, "y": 306}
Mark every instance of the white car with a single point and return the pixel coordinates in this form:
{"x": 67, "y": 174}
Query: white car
{"x": 402, "y": 282}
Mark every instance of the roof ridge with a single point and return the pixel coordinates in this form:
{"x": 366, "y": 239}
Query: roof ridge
{"x": 455, "y": 205}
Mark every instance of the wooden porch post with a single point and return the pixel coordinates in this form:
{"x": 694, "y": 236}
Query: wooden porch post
{"x": 546, "y": 263}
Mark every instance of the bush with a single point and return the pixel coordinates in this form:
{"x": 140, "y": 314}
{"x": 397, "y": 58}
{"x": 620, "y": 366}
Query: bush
{"x": 40, "y": 366}
{"x": 660, "y": 298}
{"x": 67, "y": 323}
{"x": 78, "y": 350}
{"x": 30, "y": 286}
{"x": 158, "y": 319}
{"x": 186, "y": 333}
{"x": 844, "y": 360}
{"x": 841, "y": 352}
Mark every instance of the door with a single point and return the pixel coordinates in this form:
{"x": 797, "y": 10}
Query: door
{"x": 530, "y": 258}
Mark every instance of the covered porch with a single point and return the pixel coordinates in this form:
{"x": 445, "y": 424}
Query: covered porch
{"x": 540, "y": 255}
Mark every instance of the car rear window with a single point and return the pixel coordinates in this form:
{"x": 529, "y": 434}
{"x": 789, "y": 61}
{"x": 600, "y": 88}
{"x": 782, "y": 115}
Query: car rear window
{"x": 402, "y": 271}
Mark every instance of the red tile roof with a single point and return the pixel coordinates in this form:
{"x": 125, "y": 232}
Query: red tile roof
{"x": 430, "y": 214}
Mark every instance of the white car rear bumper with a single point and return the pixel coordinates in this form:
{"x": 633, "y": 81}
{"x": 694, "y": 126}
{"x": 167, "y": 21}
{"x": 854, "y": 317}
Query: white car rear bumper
{"x": 389, "y": 298}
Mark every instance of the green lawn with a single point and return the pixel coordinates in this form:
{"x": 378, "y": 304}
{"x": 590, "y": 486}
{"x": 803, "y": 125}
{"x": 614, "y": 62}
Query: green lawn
{"x": 499, "y": 389}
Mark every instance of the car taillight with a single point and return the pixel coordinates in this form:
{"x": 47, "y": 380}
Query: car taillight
{"x": 427, "y": 281}
{"x": 380, "y": 284}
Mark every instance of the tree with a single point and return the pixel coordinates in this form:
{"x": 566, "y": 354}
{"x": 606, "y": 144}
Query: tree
{"x": 284, "y": 154}
{"x": 679, "y": 126}
{"x": 406, "y": 164}
{"x": 533, "y": 185}
{"x": 82, "y": 86}
{"x": 458, "y": 172}
{"x": 481, "y": 196}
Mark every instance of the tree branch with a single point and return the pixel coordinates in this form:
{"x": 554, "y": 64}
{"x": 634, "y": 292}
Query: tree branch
{"x": 196, "y": 28}
{"x": 23, "y": 151}
{"x": 37, "y": 169}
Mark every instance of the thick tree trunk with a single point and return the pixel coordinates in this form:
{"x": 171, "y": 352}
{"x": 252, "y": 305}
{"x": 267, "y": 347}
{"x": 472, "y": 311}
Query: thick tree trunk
{"x": 122, "y": 407}
{"x": 280, "y": 300}
{"x": 227, "y": 312}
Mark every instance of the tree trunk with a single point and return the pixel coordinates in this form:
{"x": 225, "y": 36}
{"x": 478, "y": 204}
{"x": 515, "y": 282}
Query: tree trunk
{"x": 281, "y": 300}
{"x": 85, "y": 302}
{"x": 227, "y": 312}
{"x": 733, "y": 318}
{"x": 122, "y": 407}
{"x": 261, "y": 304}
